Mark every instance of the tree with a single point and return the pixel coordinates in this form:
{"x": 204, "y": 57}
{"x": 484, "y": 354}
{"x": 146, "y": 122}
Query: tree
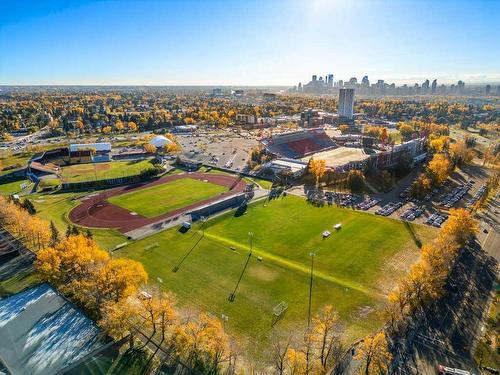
{"x": 203, "y": 343}
{"x": 172, "y": 147}
{"x": 461, "y": 153}
{"x": 106, "y": 129}
{"x": 421, "y": 186}
{"x": 115, "y": 280}
{"x": 356, "y": 180}
{"x": 296, "y": 362}
{"x": 406, "y": 130}
{"x": 121, "y": 318}
{"x": 149, "y": 148}
{"x": 70, "y": 261}
{"x": 119, "y": 125}
{"x": 344, "y": 128}
{"x": 318, "y": 168}
{"x": 439, "y": 167}
{"x": 460, "y": 226}
{"x": 280, "y": 347}
{"x": 28, "y": 206}
{"x": 439, "y": 144}
{"x": 54, "y": 234}
{"x": 160, "y": 316}
{"x": 132, "y": 126}
{"x": 324, "y": 336}
{"x": 374, "y": 353}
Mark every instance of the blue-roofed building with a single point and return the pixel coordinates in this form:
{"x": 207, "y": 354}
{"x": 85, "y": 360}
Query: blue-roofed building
{"x": 42, "y": 333}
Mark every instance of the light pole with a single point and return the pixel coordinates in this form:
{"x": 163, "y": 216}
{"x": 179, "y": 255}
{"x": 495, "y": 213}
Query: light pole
{"x": 312, "y": 255}
{"x": 250, "y": 238}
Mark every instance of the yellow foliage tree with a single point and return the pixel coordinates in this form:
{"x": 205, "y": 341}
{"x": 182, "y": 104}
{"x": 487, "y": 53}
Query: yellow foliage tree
{"x": 460, "y": 153}
{"x": 317, "y": 167}
{"x": 440, "y": 167}
{"x": 70, "y": 261}
{"x": 461, "y": 226}
{"x": 121, "y": 318}
{"x": 325, "y": 336}
{"x": 115, "y": 280}
{"x": 150, "y": 148}
{"x": 374, "y": 353}
{"x": 132, "y": 126}
{"x": 439, "y": 144}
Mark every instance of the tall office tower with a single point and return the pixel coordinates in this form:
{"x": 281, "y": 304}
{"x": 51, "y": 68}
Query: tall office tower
{"x": 353, "y": 81}
{"x": 300, "y": 87}
{"x": 434, "y": 86}
{"x": 460, "y": 87}
{"x": 425, "y": 87}
{"x": 341, "y": 83}
{"x": 330, "y": 80}
{"x": 365, "y": 81}
{"x": 314, "y": 78}
{"x": 381, "y": 87}
{"x": 488, "y": 89}
{"x": 346, "y": 103}
{"x": 498, "y": 90}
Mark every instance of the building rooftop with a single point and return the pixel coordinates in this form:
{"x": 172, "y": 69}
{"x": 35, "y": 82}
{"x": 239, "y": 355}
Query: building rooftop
{"x": 340, "y": 156}
{"x": 42, "y": 333}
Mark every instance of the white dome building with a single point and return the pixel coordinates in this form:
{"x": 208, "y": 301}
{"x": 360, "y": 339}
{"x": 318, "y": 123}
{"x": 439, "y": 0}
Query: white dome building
{"x": 160, "y": 141}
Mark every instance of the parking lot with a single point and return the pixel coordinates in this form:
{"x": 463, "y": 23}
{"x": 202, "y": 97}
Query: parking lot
{"x": 220, "y": 148}
{"x": 461, "y": 190}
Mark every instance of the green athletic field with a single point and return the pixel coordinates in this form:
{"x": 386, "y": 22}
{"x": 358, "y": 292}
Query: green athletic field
{"x": 105, "y": 170}
{"x": 353, "y": 269}
{"x": 159, "y": 199}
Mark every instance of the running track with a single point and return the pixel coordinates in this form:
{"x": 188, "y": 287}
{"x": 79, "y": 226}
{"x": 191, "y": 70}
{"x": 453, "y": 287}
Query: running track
{"x": 97, "y": 212}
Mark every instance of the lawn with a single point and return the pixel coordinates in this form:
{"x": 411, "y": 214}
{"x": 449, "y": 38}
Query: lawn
{"x": 158, "y": 199}
{"x": 17, "y": 161}
{"x": 11, "y": 187}
{"x": 101, "y": 171}
{"x": 353, "y": 269}
{"x": 55, "y": 208}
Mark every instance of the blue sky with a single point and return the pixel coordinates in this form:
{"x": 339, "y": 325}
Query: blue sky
{"x": 255, "y": 42}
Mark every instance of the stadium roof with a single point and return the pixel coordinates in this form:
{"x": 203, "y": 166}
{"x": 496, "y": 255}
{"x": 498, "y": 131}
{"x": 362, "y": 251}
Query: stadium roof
{"x": 341, "y": 156}
{"x": 42, "y": 333}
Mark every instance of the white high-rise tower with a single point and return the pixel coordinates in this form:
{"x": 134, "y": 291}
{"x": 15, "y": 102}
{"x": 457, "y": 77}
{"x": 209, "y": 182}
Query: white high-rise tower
{"x": 346, "y": 103}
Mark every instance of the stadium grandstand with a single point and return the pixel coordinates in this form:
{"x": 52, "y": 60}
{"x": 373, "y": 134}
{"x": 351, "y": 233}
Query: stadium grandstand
{"x": 298, "y": 144}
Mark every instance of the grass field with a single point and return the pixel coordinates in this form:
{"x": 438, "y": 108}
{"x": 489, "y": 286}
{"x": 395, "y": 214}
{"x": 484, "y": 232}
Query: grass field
{"x": 55, "y": 208}
{"x": 11, "y": 187}
{"x": 101, "y": 171}
{"x": 354, "y": 268}
{"x": 159, "y": 199}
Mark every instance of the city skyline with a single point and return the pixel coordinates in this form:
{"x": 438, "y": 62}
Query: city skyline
{"x": 252, "y": 43}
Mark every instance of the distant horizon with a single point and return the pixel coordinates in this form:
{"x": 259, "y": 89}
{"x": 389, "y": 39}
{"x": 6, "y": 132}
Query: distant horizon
{"x": 409, "y": 83}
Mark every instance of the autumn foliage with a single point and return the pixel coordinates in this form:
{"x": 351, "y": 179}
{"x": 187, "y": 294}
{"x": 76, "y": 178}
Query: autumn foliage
{"x": 427, "y": 277}
{"x": 34, "y": 231}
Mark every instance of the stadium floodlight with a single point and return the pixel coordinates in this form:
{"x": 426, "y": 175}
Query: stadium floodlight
{"x": 312, "y": 255}
{"x": 250, "y": 236}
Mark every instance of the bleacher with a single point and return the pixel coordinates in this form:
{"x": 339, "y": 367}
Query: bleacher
{"x": 299, "y": 144}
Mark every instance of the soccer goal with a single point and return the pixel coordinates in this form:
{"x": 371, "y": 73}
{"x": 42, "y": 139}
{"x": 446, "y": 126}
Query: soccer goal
{"x": 280, "y": 308}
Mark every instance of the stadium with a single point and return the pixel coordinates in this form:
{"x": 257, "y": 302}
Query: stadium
{"x": 340, "y": 152}
{"x": 141, "y": 209}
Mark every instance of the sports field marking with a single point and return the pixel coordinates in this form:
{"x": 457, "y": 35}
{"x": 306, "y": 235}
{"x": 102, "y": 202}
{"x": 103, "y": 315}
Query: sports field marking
{"x": 159, "y": 199}
{"x": 295, "y": 266}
